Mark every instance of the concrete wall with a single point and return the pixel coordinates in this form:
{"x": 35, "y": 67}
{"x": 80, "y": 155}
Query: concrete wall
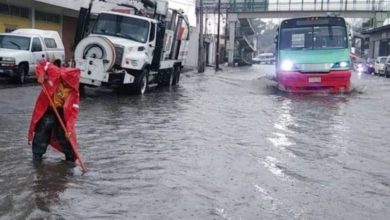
{"x": 13, "y": 22}
{"x": 192, "y": 59}
{"x": 378, "y": 45}
{"x": 48, "y": 26}
{"x": 68, "y": 33}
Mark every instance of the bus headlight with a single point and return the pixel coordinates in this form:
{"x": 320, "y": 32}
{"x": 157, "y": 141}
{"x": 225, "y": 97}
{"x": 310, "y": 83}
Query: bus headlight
{"x": 341, "y": 65}
{"x": 287, "y": 65}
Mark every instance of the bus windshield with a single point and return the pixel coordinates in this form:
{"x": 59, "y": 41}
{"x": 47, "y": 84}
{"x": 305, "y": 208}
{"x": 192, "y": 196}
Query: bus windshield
{"x": 122, "y": 26}
{"x": 314, "y": 37}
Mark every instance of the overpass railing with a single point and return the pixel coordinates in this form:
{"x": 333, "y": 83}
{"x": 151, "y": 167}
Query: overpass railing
{"x": 308, "y": 5}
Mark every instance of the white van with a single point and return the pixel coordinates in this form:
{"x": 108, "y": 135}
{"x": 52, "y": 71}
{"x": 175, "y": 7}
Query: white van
{"x": 22, "y": 49}
{"x": 267, "y": 58}
{"x": 379, "y": 65}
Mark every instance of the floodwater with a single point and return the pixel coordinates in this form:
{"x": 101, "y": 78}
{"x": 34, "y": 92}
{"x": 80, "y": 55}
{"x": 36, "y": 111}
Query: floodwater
{"x": 219, "y": 146}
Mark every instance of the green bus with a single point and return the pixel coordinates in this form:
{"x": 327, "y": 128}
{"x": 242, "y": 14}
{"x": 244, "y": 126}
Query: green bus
{"x": 313, "y": 54}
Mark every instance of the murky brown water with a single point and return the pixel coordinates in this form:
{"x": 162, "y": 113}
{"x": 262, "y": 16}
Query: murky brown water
{"x": 219, "y": 146}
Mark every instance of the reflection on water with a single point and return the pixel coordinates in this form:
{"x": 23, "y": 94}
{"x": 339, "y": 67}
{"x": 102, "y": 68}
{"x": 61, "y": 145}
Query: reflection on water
{"x": 50, "y": 180}
{"x": 220, "y": 146}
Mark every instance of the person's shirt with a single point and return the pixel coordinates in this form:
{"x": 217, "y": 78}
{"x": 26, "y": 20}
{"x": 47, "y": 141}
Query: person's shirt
{"x": 60, "y": 95}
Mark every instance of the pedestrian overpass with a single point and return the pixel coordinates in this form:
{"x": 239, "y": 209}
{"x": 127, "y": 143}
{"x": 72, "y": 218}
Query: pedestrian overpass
{"x": 241, "y": 10}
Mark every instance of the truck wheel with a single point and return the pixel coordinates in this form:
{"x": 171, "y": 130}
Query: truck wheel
{"x": 82, "y": 90}
{"x": 171, "y": 75}
{"x": 176, "y": 72}
{"x": 21, "y": 74}
{"x": 142, "y": 84}
{"x": 167, "y": 77}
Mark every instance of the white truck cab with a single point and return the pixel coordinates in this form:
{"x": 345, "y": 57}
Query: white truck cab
{"x": 134, "y": 51}
{"x": 22, "y": 49}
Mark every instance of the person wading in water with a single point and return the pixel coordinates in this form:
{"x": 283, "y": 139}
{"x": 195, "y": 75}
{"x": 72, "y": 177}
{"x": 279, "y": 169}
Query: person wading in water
{"x": 61, "y": 85}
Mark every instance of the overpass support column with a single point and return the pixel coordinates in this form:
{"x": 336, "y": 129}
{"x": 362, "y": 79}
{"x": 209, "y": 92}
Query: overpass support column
{"x": 232, "y": 35}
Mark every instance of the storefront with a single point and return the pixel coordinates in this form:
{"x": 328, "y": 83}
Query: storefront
{"x": 33, "y": 14}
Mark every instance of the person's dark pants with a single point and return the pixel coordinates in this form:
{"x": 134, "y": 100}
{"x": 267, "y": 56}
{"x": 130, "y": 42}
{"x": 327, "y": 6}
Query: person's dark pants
{"x": 43, "y": 131}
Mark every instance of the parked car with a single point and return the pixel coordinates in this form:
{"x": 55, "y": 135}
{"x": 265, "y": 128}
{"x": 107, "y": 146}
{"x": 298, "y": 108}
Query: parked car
{"x": 387, "y": 67}
{"x": 380, "y": 65}
{"x": 22, "y": 49}
{"x": 267, "y": 58}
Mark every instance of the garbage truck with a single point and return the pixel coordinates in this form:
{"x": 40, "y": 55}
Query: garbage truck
{"x": 134, "y": 47}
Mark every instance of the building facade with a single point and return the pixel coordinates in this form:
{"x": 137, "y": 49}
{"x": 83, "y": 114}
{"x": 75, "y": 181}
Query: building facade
{"x": 40, "y": 15}
{"x": 379, "y": 41}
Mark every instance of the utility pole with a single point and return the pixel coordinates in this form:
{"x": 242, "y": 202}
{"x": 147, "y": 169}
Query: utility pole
{"x": 218, "y": 36}
{"x": 200, "y": 50}
{"x": 226, "y": 31}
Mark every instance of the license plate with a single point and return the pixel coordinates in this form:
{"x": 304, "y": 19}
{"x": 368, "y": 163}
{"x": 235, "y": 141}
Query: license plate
{"x": 314, "y": 79}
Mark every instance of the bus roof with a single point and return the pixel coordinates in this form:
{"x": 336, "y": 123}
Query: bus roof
{"x": 313, "y": 21}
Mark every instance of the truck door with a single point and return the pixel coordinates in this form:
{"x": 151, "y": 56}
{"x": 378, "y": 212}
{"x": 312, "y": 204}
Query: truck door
{"x": 37, "y": 53}
{"x": 150, "y": 48}
{"x": 158, "y": 53}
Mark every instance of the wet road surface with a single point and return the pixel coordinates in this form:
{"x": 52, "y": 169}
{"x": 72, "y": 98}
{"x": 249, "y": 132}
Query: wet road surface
{"x": 219, "y": 146}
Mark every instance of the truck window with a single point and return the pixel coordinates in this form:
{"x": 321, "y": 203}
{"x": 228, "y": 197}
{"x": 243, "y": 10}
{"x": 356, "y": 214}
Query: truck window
{"x": 152, "y": 32}
{"x": 122, "y": 26}
{"x": 50, "y": 43}
{"x": 184, "y": 31}
{"x": 36, "y": 45}
{"x": 14, "y": 42}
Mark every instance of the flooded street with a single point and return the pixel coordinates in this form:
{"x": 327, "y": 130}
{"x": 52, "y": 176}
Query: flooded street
{"x": 221, "y": 145}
